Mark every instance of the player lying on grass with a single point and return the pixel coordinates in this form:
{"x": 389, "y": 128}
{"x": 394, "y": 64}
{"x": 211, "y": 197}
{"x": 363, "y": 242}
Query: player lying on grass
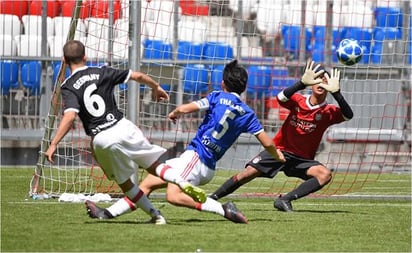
{"x": 299, "y": 137}
{"x": 117, "y": 144}
{"x": 226, "y": 117}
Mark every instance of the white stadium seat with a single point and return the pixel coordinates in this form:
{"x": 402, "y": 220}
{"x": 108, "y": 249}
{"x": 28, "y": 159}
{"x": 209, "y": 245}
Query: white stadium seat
{"x": 7, "y": 45}
{"x": 10, "y": 24}
{"x": 28, "y": 45}
{"x": 33, "y": 25}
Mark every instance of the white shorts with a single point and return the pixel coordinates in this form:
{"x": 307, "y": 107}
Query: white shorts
{"x": 191, "y": 168}
{"x": 119, "y": 150}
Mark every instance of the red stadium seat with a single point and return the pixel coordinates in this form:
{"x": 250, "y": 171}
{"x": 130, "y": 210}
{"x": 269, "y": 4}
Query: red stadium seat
{"x": 100, "y": 9}
{"x": 18, "y": 8}
{"x": 69, "y": 6}
{"x": 53, "y": 8}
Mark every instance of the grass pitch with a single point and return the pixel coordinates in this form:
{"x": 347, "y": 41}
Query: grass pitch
{"x": 318, "y": 224}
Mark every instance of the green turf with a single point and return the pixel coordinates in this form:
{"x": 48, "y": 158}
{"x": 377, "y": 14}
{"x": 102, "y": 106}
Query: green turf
{"x": 318, "y": 224}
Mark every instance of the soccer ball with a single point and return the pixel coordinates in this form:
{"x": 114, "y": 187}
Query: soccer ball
{"x": 349, "y": 52}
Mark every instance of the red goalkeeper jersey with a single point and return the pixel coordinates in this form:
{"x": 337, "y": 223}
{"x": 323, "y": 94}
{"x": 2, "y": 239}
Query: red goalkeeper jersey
{"x": 303, "y": 129}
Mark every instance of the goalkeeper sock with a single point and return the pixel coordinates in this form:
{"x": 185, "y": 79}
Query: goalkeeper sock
{"x": 307, "y": 187}
{"x": 211, "y": 206}
{"x": 122, "y": 206}
{"x": 231, "y": 185}
{"x": 138, "y": 197}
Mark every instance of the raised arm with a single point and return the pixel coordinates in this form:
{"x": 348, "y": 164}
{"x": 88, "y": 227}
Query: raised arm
{"x": 333, "y": 87}
{"x": 183, "y": 109}
{"x": 158, "y": 92}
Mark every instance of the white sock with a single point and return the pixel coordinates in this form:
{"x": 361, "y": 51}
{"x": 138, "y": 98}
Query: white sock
{"x": 211, "y": 206}
{"x": 167, "y": 173}
{"x": 140, "y": 199}
{"x": 122, "y": 206}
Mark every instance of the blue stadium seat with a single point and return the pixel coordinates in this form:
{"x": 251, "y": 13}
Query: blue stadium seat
{"x": 388, "y": 17}
{"x": 259, "y": 80}
{"x": 9, "y": 71}
{"x": 318, "y": 48}
{"x": 217, "y": 51}
{"x": 56, "y": 68}
{"x": 31, "y": 76}
{"x": 189, "y": 51}
{"x": 216, "y": 77}
{"x": 157, "y": 49}
{"x": 280, "y": 83}
{"x": 195, "y": 79}
{"x": 292, "y": 38}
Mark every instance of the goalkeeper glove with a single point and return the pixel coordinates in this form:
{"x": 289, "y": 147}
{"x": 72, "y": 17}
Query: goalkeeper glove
{"x": 333, "y": 82}
{"x": 311, "y": 77}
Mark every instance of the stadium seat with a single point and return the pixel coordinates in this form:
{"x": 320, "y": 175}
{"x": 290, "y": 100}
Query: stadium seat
{"x": 7, "y": 45}
{"x": 192, "y": 31}
{"x": 31, "y": 76}
{"x": 100, "y": 9}
{"x": 217, "y": 51}
{"x": 259, "y": 80}
{"x": 28, "y": 45}
{"x": 292, "y": 39}
{"x": 56, "y": 45}
{"x": 53, "y": 8}
{"x": 97, "y": 27}
{"x": 195, "y": 79}
{"x": 388, "y": 17}
{"x": 189, "y": 51}
{"x": 56, "y": 69}
{"x": 216, "y": 77}
{"x": 18, "y": 8}
{"x": 68, "y": 8}
{"x": 96, "y": 48}
{"x": 9, "y": 76}
{"x": 157, "y": 49}
{"x": 62, "y": 27}
{"x": 32, "y": 25}
{"x": 121, "y": 28}
{"x": 10, "y": 24}
{"x": 121, "y": 49}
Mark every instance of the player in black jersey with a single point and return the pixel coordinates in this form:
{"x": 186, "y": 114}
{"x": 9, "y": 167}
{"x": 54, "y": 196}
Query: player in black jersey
{"x": 118, "y": 145}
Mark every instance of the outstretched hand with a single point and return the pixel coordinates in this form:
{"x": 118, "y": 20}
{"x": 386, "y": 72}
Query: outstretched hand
{"x": 333, "y": 81}
{"x": 311, "y": 75}
{"x": 159, "y": 94}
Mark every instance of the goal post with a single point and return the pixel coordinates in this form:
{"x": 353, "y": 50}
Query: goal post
{"x": 184, "y": 45}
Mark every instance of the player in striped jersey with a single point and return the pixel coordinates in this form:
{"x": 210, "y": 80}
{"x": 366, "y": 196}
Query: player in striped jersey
{"x": 226, "y": 117}
{"x": 299, "y": 137}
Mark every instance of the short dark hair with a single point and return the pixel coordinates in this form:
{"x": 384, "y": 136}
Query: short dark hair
{"x": 73, "y": 52}
{"x": 235, "y": 77}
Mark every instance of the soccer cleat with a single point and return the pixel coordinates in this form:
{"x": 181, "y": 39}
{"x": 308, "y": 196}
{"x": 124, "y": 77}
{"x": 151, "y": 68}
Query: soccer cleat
{"x": 233, "y": 214}
{"x": 283, "y": 205}
{"x": 96, "y": 212}
{"x": 194, "y": 192}
{"x": 158, "y": 220}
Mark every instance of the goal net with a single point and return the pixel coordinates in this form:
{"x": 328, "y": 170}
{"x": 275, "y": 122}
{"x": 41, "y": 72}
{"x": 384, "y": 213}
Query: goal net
{"x": 184, "y": 45}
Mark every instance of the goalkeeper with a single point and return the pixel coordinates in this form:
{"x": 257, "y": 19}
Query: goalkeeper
{"x": 226, "y": 117}
{"x": 299, "y": 137}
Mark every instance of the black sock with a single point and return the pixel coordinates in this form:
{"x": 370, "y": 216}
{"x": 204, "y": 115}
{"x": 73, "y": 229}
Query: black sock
{"x": 227, "y": 188}
{"x": 307, "y": 187}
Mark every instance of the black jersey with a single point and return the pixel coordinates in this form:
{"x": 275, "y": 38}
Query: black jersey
{"x": 89, "y": 92}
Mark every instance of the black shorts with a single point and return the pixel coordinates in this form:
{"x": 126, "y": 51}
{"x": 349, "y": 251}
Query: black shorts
{"x": 293, "y": 167}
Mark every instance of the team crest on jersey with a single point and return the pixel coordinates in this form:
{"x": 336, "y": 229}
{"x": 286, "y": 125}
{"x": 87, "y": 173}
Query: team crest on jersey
{"x": 318, "y": 116}
{"x": 257, "y": 159}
